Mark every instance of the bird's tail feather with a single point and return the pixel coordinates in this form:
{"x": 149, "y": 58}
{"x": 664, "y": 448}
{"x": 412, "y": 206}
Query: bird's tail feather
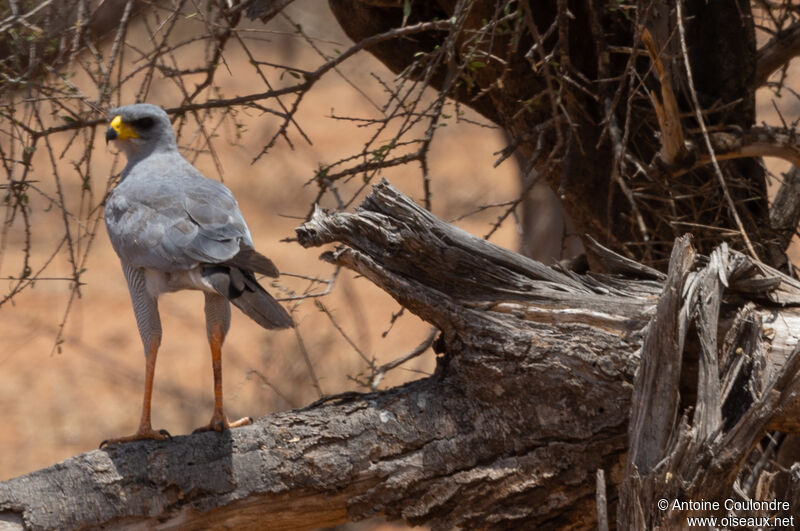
{"x": 241, "y": 288}
{"x": 251, "y": 260}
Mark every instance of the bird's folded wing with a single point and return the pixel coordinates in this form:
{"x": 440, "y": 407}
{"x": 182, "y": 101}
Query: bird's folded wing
{"x": 174, "y": 226}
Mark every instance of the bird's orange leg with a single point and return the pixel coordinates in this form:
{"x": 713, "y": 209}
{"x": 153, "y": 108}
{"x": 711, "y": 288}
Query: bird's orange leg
{"x": 219, "y": 421}
{"x": 145, "y": 430}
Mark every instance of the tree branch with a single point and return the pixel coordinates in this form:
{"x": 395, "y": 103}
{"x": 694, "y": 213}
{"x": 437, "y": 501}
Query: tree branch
{"x": 673, "y": 148}
{"x": 784, "y": 213}
{"x": 780, "y": 49}
{"x": 754, "y": 142}
{"x": 263, "y": 10}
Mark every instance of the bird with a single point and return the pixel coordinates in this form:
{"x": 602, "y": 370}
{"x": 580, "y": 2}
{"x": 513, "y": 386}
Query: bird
{"x": 174, "y": 229}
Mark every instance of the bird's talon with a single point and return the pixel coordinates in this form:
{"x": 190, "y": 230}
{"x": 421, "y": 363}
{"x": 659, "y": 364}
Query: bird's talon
{"x": 244, "y": 421}
{"x": 222, "y": 425}
{"x": 142, "y": 434}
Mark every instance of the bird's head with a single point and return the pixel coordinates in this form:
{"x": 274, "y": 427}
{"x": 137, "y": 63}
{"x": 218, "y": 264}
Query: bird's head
{"x": 140, "y": 129}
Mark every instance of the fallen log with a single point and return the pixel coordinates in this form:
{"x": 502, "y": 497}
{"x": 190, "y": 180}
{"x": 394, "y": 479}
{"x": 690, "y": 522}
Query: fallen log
{"x": 535, "y": 388}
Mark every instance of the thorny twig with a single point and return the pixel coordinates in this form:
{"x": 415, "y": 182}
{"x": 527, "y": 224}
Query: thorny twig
{"x": 378, "y": 373}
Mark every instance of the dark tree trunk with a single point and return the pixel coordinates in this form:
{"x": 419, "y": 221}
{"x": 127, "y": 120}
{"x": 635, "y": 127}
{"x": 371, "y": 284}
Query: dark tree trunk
{"x": 568, "y": 106}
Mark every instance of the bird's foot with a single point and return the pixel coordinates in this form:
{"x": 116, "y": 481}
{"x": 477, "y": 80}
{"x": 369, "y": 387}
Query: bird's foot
{"x": 221, "y": 423}
{"x": 142, "y": 434}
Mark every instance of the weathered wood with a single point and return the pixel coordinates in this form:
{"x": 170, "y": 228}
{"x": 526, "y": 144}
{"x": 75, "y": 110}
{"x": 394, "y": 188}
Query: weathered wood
{"x": 531, "y": 397}
{"x": 417, "y": 452}
{"x": 700, "y": 459}
{"x": 784, "y": 214}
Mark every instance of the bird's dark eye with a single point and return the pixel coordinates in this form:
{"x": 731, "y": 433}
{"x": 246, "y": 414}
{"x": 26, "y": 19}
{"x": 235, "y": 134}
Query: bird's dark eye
{"x": 143, "y": 124}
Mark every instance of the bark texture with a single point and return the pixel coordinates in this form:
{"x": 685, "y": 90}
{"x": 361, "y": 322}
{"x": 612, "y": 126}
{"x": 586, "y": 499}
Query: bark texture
{"x": 531, "y": 397}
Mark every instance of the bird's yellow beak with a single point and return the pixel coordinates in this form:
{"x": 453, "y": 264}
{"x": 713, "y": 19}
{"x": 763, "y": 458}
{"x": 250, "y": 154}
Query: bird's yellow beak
{"x": 119, "y": 130}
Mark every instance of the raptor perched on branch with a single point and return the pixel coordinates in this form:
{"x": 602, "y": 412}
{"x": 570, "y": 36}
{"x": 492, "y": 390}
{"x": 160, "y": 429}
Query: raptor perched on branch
{"x": 173, "y": 229}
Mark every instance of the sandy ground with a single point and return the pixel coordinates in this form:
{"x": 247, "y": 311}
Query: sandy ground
{"x": 57, "y": 402}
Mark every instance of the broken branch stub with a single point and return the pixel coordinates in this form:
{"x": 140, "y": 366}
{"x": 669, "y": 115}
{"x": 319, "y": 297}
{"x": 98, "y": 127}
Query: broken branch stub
{"x": 736, "y": 399}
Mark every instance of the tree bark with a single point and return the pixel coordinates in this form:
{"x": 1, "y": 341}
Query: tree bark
{"x": 531, "y": 397}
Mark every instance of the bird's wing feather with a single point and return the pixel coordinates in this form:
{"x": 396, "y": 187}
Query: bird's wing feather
{"x": 174, "y": 221}
{"x": 220, "y": 228}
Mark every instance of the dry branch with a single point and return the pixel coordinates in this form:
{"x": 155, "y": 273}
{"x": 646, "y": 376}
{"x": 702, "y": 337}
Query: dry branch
{"x": 260, "y": 9}
{"x": 666, "y": 106}
{"x": 784, "y": 214}
{"x": 781, "y": 49}
{"x": 754, "y": 142}
{"x": 531, "y": 396}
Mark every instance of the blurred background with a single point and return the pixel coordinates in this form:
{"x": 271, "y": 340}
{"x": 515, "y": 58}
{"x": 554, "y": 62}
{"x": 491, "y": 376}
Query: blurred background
{"x": 71, "y": 361}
